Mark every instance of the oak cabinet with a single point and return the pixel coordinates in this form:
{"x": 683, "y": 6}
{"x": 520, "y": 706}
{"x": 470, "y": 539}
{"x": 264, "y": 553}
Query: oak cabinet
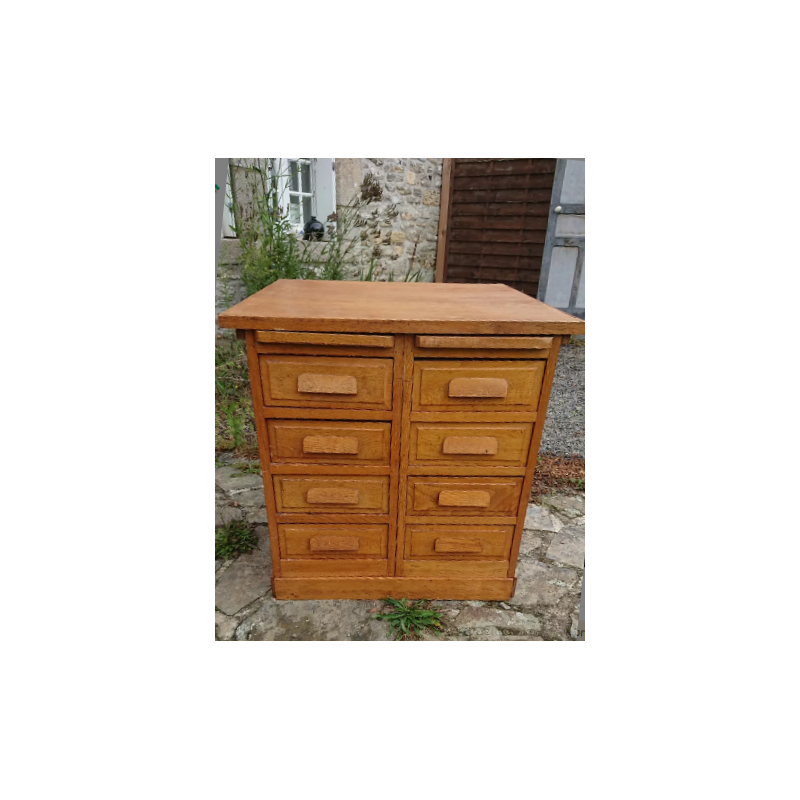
{"x": 398, "y": 428}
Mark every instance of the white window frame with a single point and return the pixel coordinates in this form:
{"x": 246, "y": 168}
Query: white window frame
{"x": 322, "y": 194}
{"x": 322, "y": 191}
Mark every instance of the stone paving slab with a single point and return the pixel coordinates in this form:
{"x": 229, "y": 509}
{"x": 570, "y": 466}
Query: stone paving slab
{"x": 567, "y": 505}
{"x": 541, "y": 584}
{"x": 228, "y": 481}
{"x": 538, "y": 518}
{"x": 247, "y": 578}
{"x": 567, "y": 546}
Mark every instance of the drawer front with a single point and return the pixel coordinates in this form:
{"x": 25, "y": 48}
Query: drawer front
{"x": 446, "y": 542}
{"x": 477, "y": 385}
{"x": 470, "y": 443}
{"x": 318, "y": 382}
{"x": 322, "y": 495}
{"x": 312, "y": 442}
{"x": 464, "y": 497}
{"x": 333, "y": 541}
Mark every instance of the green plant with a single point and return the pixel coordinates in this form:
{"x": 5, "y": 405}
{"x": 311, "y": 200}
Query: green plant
{"x": 271, "y": 246}
{"x": 234, "y": 419}
{"x": 407, "y": 620}
{"x": 369, "y": 275}
{"x": 579, "y": 483}
{"x": 234, "y": 538}
{"x": 243, "y": 468}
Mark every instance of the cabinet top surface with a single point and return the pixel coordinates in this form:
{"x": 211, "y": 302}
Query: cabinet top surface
{"x": 362, "y": 306}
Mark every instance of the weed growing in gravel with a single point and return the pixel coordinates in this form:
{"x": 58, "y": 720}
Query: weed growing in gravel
{"x": 407, "y": 620}
{"x": 232, "y": 539}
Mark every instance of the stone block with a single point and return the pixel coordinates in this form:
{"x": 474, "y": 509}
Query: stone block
{"x": 567, "y": 546}
{"x": 567, "y": 505}
{"x": 225, "y": 514}
{"x": 227, "y": 480}
{"x": 540, "y": 519}
{"x": 224, "y": 626}
{"x": 411, "y": 177}
{"x": 541, "y": 584}
{"x": 397, "y": 237}
{"x": 253, "y": 498}
{"x": 430, "y": 198}
{"x": 240, "y": 585}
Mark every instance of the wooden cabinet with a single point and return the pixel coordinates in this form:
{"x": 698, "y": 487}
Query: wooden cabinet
{"x": 399, "y": 427}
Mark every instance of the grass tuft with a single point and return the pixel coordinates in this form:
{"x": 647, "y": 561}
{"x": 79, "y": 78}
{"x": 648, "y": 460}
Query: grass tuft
{"x": 232, "y": 539}
{"x": 407, "y": 620}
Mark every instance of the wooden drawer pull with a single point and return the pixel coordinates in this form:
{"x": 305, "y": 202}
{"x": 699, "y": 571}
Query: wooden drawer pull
{"x": 458, "y": 545}
{"x": 309, "y": 383}
{"x": 337, "y": 445}
{"x": 451, "y": 497}
{"x": 319, "y": 544}
{"x": 478, "y": 387}
{"x": 470, "y": 445}
{"x": 332, "y": 496}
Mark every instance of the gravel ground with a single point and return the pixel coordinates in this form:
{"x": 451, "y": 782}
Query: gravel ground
{"x": 564, "y": 427}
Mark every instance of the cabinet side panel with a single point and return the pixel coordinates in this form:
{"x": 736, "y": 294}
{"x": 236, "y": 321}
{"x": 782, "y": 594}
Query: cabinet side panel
{"x": 263, "y": 450}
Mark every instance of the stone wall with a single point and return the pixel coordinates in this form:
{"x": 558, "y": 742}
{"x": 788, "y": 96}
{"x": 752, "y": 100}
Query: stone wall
{"x": 229, "y": 286}
{"x": 400, "y": 231}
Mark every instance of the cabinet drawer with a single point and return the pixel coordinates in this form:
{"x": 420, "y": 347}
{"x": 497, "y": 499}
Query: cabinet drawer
{"x": 333, "y": 541}
{"x": 323, "y": 495}
{"x": 319, "y": 382}
{"x": 459, "y": 542}
{"x": 319, "y": 442}
{"x": 477, "y": 385}
{"x": 464, "y": 497}
{"x": 470, "y": 443}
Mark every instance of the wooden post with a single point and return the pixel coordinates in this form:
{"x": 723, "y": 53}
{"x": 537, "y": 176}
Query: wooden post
{"x": 444, "y": 210}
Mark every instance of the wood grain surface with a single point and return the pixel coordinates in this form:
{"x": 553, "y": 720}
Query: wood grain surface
{"x": 470, "y": 444}
{"x": 457, "y": 541}
{"x": 323, "y": 588}
{"x": 487, "y": 342}
{"x": 322, "y": 540}
{"x": 463, "y": 496}
{"x": 350, "y": 493}
{"x": 336, "y": 339}
{"x": 326, "y": 382}
{"x": 386, "y": 308}
{"x": 477, "y": 385}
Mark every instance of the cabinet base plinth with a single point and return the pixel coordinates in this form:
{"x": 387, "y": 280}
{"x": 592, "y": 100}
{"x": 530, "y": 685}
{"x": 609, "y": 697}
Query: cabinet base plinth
{"x": 378, "y": 588}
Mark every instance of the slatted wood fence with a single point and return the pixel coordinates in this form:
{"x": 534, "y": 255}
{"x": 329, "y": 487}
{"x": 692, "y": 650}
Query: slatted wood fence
{"x": 493, "y": 220}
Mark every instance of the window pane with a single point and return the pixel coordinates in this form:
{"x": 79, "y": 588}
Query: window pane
{"x": 306, "y": 168}
{"x": 306, "y": 209}
{"x": 293, "y": 177}
{"x": 294, "y": 209}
